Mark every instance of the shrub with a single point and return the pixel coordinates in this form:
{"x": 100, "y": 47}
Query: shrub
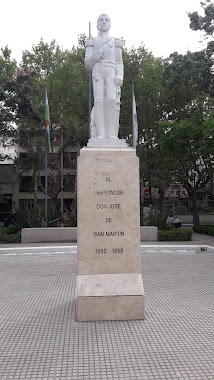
{"x": 182, "y": 234}
{"x": 181, "y": 209}
{"x": 53, "y": 215}
{"x": 158, "y": 218}
{"x": 71, "y": 215}
{"x": 35, "y": 217}
{"x": 16, "y": 238}
{"x": 13, "y": 230}
{"x": 206, "y": 229}
{"x": 203, "y": 208}
{"x": 3, "y": 230}
{"x": 30, "y": 217}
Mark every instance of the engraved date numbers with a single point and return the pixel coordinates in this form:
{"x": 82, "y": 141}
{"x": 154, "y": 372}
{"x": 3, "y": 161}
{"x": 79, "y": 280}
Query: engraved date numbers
{"x": 117, "y": 250}
{"x": 101, "y": 251}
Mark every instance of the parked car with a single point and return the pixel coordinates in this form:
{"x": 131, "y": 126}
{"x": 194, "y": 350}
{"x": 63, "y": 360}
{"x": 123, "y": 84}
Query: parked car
{"x": 173, "y": 222}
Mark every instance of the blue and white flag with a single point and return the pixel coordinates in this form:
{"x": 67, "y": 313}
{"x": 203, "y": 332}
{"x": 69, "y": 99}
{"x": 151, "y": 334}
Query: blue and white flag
{"x": 134, "y": 121}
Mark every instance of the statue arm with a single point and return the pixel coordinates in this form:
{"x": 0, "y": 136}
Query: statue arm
{"x": 92, "y": 57}
{"x": 119, "y": 62}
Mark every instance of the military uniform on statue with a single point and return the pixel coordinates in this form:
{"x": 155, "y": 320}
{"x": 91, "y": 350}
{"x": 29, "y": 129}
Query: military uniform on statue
{"x": 104, "y": 58}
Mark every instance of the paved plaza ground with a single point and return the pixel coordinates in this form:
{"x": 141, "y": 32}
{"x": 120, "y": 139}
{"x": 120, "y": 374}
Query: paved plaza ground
{"x": 40, "y": 339}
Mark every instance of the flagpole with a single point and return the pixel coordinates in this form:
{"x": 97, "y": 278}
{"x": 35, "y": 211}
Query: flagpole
{"x": 46, "y": 169}
{"x": 89, "y": 94}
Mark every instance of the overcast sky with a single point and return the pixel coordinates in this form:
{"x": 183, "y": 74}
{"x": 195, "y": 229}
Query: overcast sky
{"x": 162, "y": 25}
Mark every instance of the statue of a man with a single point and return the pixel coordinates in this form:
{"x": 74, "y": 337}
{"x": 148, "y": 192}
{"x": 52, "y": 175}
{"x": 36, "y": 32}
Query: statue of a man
{"x": 104, "y": 57}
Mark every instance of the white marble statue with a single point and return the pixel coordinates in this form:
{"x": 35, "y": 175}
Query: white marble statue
{"x": 104, "y": 57}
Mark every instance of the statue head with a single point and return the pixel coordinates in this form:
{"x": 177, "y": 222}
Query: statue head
{"x": 103, "y": 23}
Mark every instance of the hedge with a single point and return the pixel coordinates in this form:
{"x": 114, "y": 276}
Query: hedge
{"x": 3, "y": 230}
{"x": 181, "y": 234}
{"x": 16, "y": 238}
{"x": 207, "y": 229}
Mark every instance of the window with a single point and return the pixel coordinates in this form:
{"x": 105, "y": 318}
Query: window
{"x": 26, "y": 184}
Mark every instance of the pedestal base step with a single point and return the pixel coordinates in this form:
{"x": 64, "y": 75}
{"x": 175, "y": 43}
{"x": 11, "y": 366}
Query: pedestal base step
{"x": 107, "y": 143}
{"x": 110, "y": 297}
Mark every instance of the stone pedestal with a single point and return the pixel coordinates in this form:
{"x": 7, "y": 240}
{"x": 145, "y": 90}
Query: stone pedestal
{"x": 109, "y": 283}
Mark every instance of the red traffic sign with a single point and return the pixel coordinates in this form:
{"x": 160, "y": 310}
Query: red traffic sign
{"x": 146, "y": 192}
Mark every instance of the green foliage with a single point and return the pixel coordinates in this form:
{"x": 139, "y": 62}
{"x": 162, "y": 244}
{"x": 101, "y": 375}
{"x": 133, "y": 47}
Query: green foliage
{"x": 205, "y": 22}
{"x": 181, "y": 209}
{"x": 181, "y": 234}
{"x": 29, "y": 218}
{"x": 53, "y": 215}
{"x": 16, "y": 238}
{"x": 35, "y": 217}
{"x": 12, "y": 230}
{"x": 10, "y": 234}
{"x": 67, "y": 82}
{"x": 158, "y": 218}
{"x": 186, "y": 143}
{"x": 144, "y": 71}
{"x": 206, "y": 229}
{"x": 203, "y": 208}
{"x": 180, "y": 146}
{"x": 187, "y": 83}
{"x": 71, "y": 216}
{"x": 3, "y": 230}
{"x": 7, "y": 117}
{"x": 175, "y": 108}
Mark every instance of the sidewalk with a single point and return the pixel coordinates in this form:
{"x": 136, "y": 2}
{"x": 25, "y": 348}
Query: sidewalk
{"x": 40, "y": 338}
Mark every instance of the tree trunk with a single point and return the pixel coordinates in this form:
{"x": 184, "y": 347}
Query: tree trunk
{"x": 161, "y": 200}
{"x": 196, "y": 218}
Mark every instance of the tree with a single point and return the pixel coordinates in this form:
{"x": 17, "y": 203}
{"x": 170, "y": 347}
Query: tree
{"x": 178, "y": 91}
{"x": 187, "y": 106}
{"x": 67, "y": 82}
{"x": 7, "y": 116}
{"x": 188, "y": 147}
{"x": 205, "y": 22}
{"x": 188, "y": 85}
{"x": 68, "y": 106}
{"x": 144, "y": 71}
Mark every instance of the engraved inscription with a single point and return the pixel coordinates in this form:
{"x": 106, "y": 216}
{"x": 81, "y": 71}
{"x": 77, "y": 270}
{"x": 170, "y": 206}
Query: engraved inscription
{"x": 102, "y": 251}
{"x": 108, "y": 192}
{"x": 98, "y": 234}
{"x": 108, "y": 233}
{"x": 109, "y": 206}
{"x": 115, "y": 206}
{"x": 115, "y": 233}
{"x": 101, "y": 206}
